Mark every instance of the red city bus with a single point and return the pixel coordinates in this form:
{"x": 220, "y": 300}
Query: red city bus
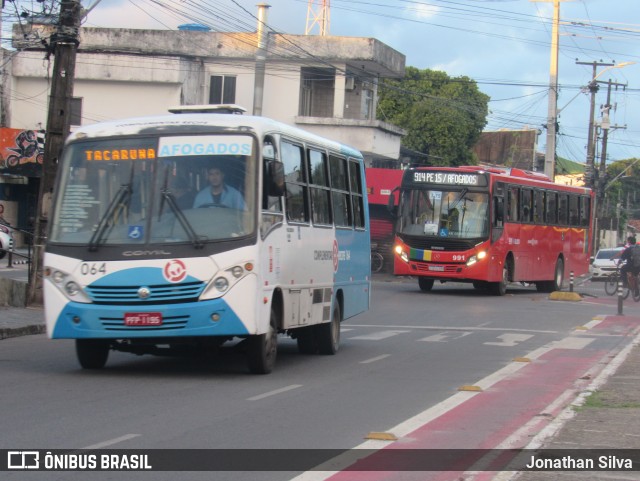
{"x": 490, "y": 226}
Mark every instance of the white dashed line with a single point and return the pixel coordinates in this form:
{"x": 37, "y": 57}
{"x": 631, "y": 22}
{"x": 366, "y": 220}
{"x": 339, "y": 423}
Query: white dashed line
{"x": 104, "y": 444}
{"x": 374, "y": 359}
{"x": 274, "y": 392}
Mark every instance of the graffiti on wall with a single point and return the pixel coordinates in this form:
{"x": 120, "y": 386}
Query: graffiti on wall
{"x": 21, "y": 152}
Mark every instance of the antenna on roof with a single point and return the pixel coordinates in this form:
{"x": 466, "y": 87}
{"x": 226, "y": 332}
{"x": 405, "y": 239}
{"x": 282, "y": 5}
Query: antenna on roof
{"x": 318, "y": 13}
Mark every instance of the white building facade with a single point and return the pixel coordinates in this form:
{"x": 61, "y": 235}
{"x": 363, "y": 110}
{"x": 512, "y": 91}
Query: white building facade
{"x": 327, "y": 85}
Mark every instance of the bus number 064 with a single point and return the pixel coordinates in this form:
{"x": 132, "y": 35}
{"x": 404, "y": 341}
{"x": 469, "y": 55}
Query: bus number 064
{"x": 93, "y": 269}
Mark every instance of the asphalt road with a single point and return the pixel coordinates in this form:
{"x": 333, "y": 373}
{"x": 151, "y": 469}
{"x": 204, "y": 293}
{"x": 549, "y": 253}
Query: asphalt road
{"x": 412, "y": 351}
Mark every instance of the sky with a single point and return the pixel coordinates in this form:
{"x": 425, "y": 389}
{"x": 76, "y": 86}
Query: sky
{"x": 504, "y": 45}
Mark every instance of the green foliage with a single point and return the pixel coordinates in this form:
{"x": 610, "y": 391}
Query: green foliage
{"x": 624, "y": 190}
{"x": 443, "y": 116}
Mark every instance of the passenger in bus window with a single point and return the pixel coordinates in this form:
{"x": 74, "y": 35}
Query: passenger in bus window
{"x": 218, "y": 193}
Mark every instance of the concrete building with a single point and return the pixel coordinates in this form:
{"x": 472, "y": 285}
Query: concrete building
{"x": 324, "y": 84}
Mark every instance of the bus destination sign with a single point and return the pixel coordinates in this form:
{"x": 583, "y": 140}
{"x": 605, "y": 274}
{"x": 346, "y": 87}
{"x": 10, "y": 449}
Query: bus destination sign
{"x": 450, "y": 178}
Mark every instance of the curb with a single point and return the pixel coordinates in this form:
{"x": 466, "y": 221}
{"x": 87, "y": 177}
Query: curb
{"x": 8, "y": 332}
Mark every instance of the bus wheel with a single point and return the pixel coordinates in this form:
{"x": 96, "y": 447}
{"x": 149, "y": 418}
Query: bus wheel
{"x": 306, "y": 339}
{"x": 425, "y": 284}
{"x": 500, "y": 288}
{"x": 328, "y": 334}
{"x": 92, "y": 353}
{"x": 262, "y": 349}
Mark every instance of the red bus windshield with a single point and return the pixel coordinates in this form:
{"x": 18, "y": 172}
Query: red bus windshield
{"x": 445, "y": 213}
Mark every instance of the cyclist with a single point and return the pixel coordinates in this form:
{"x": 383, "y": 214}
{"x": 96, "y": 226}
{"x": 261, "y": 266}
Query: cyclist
{"x": 629, "y": 266}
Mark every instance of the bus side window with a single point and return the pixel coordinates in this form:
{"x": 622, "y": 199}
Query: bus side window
{"x": 574, "y": 214}
{"x": 538, "y": 206}
{"x": 319, "y": 187}
{"x": 295, "y": 177}
{"x": 339, "y": 176}
{"x": 357, "y": 196}
{"x": 512, "y": 204}
{"x": 551, "y": 208}
{"x": 585, "y": 211}
{"x": 270, "y": 201}
{"x": 526, "y": 205}
{"x": 563, "y": 209}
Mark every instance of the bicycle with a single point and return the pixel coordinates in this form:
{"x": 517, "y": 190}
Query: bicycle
{"x": 611, "y": 284}
{"x": 633, "y": 283}
{"x": 377, "y": 259}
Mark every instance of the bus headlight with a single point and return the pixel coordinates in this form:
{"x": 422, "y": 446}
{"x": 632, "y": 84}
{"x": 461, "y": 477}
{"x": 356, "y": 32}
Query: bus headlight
{"x": 58, "y": 277}
{"x": 473, "y": 259}
{"x": 224, "y": 280}
{"x": 221, "y": 283}
{"x": 403, "y": 255}
{"x": 65, "y": 283}
{"x": 236, "y": 271}
{"x": 72, "y": 288}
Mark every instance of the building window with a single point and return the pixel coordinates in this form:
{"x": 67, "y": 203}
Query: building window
{"x": 317, "y": 92}
{"x": 222, "y": 89}
{"x": 76, "y": 111}
{"x": 367, "y": 103}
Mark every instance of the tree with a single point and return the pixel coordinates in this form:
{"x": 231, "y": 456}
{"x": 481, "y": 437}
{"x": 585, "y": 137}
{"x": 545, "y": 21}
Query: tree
{"x": 622, "y": 183}
{"x": 443, "y": 116}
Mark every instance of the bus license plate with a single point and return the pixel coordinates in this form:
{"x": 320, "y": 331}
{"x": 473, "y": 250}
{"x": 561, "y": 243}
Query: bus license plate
{"x": 436, "y": 268}
{"x": 143, "y": 319}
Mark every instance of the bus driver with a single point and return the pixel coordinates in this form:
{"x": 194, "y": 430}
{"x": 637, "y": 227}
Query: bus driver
{"x": 217, "y": 193}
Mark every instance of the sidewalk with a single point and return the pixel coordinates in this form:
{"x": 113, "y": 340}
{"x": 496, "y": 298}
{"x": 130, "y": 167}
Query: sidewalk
{"x": 604, "y": 416}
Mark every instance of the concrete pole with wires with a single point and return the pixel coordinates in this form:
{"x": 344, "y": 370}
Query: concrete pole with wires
{"x": 63, "y": 44}
{"x": 261, "y": 59}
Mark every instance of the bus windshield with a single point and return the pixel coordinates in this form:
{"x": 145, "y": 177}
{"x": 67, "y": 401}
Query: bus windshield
{"x": 173, "y": 189}
{"x": 441, "y": 213}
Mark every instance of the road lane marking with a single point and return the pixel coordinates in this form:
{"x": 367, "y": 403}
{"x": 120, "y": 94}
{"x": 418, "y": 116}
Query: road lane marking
{"x": 110, "y": 442}
{"x": 274, "y": 392}
{"x": 575, "y": 343}
{"x": 378, "y": 336}
{"x": 509, "y": 340}
{"x": 455, "y": 328}
{"x": 374, "y": 359}
{"x": 445, "y": 336}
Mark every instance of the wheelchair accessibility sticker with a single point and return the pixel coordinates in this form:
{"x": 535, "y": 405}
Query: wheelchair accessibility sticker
{"x": 135, "y": 232}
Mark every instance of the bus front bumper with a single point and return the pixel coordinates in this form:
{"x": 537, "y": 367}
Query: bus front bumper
{"x": 92, "y": 321}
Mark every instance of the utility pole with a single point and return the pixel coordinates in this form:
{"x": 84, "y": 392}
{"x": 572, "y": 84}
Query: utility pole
{"x": 593, "y": 89}
{"x": 602, "y": 178}
{"x": 63, "y": 44}
{"x": 261, "y": 58}
{"x": 552, "y": 116}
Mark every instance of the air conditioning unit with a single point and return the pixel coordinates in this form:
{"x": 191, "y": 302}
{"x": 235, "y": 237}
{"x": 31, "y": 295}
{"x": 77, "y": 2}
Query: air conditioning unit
{"x": 350, "y": 83}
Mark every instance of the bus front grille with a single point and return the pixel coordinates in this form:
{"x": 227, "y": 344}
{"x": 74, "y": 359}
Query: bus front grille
{"x": 441, "y": 268}
{"x": 155, "y": 294}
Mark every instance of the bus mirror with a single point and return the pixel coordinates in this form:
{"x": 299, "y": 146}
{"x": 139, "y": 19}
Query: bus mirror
{"x": 275, "y": 172}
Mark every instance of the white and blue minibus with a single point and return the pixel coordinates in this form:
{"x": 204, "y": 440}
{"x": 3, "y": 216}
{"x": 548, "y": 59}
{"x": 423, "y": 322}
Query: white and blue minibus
{"x": 181, "y": 232}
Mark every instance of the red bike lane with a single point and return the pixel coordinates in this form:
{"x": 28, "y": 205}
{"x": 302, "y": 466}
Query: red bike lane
{"x": 505, "y": 415}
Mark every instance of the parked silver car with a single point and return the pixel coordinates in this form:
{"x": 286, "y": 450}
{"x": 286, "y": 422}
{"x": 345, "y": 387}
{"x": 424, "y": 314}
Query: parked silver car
{"x": 6, "y": 239}
{"x": 605, "y": 262}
